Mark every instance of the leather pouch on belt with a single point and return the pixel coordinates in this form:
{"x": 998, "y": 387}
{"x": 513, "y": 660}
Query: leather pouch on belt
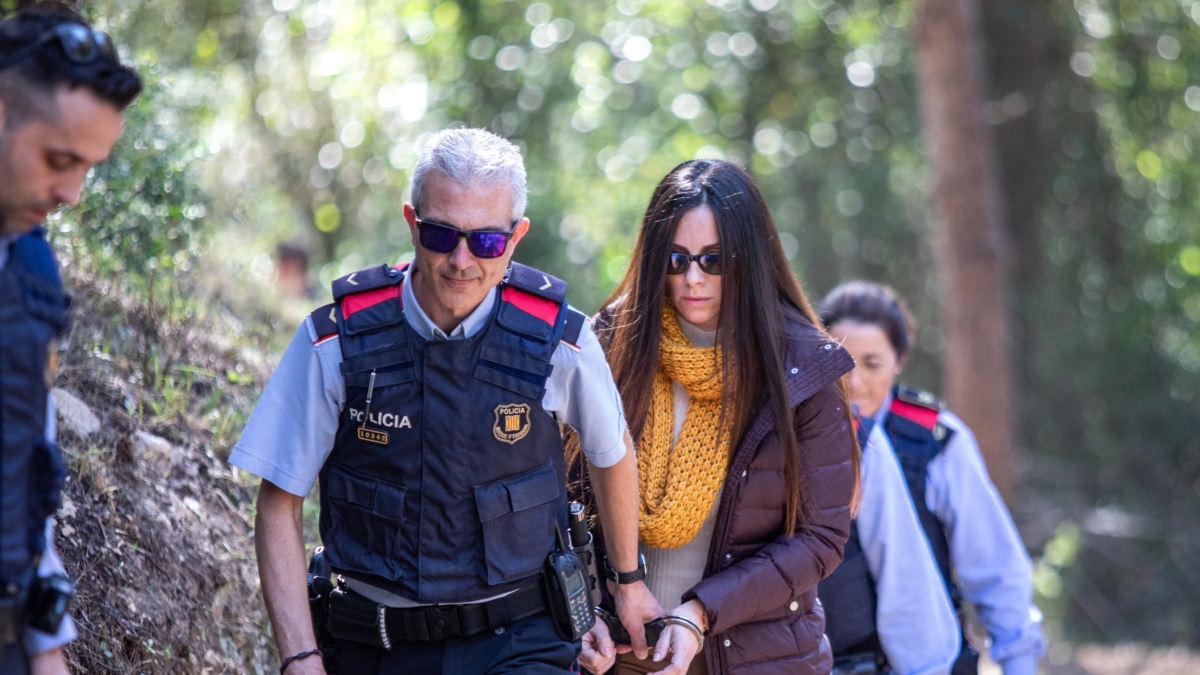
{"x": 355, "y": 618}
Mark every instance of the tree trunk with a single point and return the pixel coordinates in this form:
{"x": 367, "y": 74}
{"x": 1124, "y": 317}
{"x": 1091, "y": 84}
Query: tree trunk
{"x": 970, "y": 246}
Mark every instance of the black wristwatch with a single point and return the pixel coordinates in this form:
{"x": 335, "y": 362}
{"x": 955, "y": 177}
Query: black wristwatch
{"x": 625, "y": 577}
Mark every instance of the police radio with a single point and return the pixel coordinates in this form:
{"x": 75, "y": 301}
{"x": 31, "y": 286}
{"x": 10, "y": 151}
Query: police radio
{"x": 568, "y": 591}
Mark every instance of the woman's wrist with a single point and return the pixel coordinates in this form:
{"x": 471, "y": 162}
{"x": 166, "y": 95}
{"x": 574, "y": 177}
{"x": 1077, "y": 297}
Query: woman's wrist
{"x": 694, "y": 611}
{"x": 691, "y": 626}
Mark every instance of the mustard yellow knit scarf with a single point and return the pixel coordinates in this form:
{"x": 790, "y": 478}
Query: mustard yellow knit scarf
{"x": 678, "y": 484}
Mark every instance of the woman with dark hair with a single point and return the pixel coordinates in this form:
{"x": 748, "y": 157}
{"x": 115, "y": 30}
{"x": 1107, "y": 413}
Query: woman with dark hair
{"x": 974, "y": 541}
{"x": 746, "y": 455}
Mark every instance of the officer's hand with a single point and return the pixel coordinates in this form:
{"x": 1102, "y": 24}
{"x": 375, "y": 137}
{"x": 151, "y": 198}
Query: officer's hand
{"x": 636, "y": 606}
{"x": 598, "y": 653}
{"x": 50, "y": 662}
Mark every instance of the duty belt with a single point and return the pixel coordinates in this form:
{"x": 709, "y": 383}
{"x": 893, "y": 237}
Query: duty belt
{"x": 434, "y": 623}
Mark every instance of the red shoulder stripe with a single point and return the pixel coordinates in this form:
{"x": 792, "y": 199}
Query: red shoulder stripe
{"x": 360, "y": 301}
{"x": 915, "y": 413}
{"x": 541, "y": 308}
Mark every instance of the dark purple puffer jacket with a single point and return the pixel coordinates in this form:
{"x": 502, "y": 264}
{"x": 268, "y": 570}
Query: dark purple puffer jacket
{"x": 760, "y": 586}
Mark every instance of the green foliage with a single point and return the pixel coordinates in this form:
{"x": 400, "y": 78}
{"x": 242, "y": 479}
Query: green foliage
{"x": 140, "y": 220}
{"x": 1123, "y": 353}
{"x": 313, "y": 113}
{"x": 328, "y": 109}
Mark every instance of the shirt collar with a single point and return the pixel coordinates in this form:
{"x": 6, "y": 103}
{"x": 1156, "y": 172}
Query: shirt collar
{"x": 428, "y": 330}
{"x": 882, "y": 413}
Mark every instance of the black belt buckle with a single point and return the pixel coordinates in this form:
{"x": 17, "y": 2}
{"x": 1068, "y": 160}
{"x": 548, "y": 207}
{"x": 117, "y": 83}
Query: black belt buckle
{"x": 443, "y": 622}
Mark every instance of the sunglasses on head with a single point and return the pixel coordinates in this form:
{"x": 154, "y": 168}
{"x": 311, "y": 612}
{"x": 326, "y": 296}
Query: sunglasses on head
{"x": 441, "y": 238}
{"x": 710, "y": 263}
{"x": 79, "y": 43}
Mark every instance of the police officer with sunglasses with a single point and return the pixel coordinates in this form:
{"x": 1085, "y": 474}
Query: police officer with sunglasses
{"x": 62, "y": 93}
{"x": 427, "y": 399}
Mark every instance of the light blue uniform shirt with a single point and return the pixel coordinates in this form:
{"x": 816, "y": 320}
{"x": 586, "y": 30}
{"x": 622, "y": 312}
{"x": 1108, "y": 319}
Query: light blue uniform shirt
{"x": 291, "y": 431}
{"x": 35, "y": 640}
{"x": 993, "y": 570}
{"x": 914, "y": 618}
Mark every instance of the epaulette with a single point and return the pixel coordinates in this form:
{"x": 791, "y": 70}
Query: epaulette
{"x": 369, "y": 279}
{"x": 530, "y": 301}
{"x": 324, "y": 321}
{"x": 365, "y": 288}
{"x": 920, "y": 407}
{"x": 573, "y": 327}
{"x": 525, "y": 278}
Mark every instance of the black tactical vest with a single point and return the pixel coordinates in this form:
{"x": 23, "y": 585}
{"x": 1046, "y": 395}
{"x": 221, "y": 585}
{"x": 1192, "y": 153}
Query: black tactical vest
{"x": 848, "y": 594}
{"x": 918, "y": 437}
{"x": 33, "y": 314}
{"x": 446, "y": 481}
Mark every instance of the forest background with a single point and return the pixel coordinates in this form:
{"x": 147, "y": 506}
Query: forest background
{"x": 298, "y": 121}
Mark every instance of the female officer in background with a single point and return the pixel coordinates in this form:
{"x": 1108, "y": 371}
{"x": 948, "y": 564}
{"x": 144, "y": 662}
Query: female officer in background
{"x": 973, "y": 537}
{"x": 886, "y": 607}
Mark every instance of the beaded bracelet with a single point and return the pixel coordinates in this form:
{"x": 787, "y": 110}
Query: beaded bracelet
{"x": 297, "y": 657}
{"x": 688, "y": 624}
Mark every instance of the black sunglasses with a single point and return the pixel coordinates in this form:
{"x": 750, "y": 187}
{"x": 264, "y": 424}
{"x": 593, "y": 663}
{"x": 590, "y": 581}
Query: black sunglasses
{"x": 710, "y": 263}
{"x": 80, "y": 44}
{"x": 441, "y": 238}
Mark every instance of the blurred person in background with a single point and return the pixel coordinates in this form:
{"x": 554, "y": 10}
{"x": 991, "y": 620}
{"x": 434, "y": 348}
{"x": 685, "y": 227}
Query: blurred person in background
{"x": 746, "y": 457}
{"x": 975, "y": 543}
{"x": 62, "y": 93}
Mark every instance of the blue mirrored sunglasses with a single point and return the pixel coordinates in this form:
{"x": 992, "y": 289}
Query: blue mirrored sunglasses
{"x": 441, "y": 238}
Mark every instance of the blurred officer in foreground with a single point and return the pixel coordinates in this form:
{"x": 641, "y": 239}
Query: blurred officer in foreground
{"x": 62, "y": 93}
{"x": 428, "y": 399}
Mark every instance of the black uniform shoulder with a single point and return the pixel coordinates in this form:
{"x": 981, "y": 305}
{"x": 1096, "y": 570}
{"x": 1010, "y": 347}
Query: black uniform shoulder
{"x": 33, "y": 261}
{"x": 536, "y": 282}
{"x": 324, "y": 321}
{"x": 32, "y": 252}
{"x": 573, "y": 326}
{"x": 368, "y": 279}
{"x": 923, "y": 408}
{"x": 919, "y": 397}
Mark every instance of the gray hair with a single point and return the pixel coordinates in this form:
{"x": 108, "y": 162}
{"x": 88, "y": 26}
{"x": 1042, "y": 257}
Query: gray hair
{"x": 472, "y": 157}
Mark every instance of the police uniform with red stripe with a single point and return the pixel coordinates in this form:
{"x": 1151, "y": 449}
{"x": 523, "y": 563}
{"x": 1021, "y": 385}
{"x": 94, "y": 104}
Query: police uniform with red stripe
{"x": 886, "y": 609}
{"x": 440, "y": 461}
{"x": 447, "y": 441}
{"x": 974, "y": 541}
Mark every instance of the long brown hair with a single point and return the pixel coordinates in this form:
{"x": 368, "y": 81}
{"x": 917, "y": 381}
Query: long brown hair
{"x": 757, "y": 289}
